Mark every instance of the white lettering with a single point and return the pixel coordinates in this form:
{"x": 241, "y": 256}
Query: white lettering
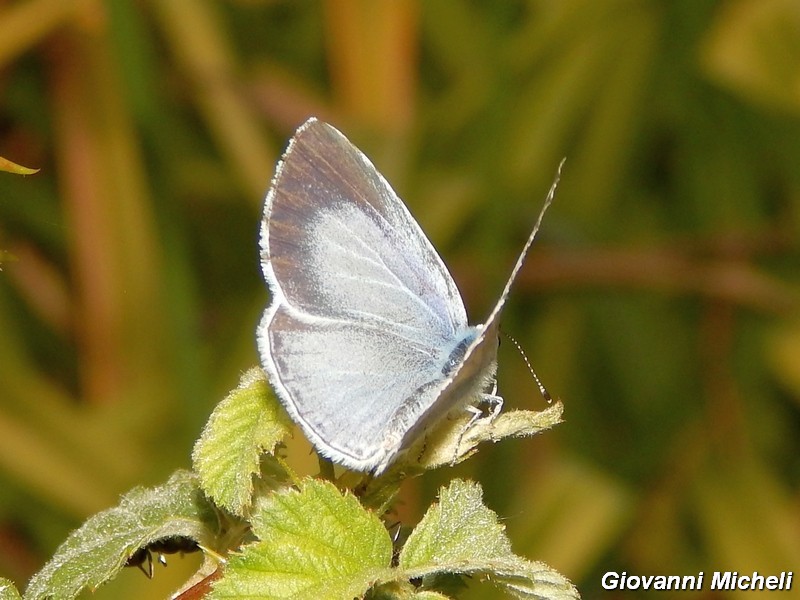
{"x": 662, "y": 583}
{"x": 731, "y": 580}
{"x": 689, "y": 582}
{"x": 610, "y": 581}
{"x": 647, "y": 581}
{"x": 622, "y": 581}
{"x": 722, "y": 580}
{"x": 757, "y": 582}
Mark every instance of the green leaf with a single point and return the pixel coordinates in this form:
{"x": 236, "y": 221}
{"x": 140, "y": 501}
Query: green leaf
{"x": 452, "y": 442}
{"x": 8, "y": 590}
{"x": 314, "y": 544}
{"x": 247, "y": 423}
{"x": 95, "y": 552}
{"x": 461, "y": 535}
{"x": 403, "y": 590}
{"x": 525, "y": 579}
{"x": 457, "y": 530}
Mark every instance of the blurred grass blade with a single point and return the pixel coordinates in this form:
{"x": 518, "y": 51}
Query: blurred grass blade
{"x": 24, "y": 24}
{"x": 197, "y": 37}
{"x": 12, "y": 167}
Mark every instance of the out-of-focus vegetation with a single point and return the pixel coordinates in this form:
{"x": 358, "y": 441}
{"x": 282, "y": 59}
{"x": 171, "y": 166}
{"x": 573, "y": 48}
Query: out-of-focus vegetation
{"x": 660, "y": 302}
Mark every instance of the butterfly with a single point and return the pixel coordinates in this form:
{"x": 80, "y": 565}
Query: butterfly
{"x": 365, "y": 340}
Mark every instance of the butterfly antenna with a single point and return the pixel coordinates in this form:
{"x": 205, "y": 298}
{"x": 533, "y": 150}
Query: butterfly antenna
{"x": 545, "y": 394}
{"x": 521, "y": 259}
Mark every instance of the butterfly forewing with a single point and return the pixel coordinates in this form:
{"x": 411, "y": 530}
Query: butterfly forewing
{"x": 341, "y": 244}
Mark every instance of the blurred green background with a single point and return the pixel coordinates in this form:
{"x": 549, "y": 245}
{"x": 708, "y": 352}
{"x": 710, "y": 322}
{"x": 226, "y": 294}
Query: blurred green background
{"x": 660, "y": 302}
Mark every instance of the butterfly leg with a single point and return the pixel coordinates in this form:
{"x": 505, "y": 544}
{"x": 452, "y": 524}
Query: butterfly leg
{"x": 149, "y": 559}
{"x": 496, "y": 405}
{"x": 149, "y": 571}
{"x": 139, "y": 558}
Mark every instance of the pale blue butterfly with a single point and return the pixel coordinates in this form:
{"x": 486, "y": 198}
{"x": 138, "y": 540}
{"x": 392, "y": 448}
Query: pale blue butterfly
{"x": 365, "y": 340}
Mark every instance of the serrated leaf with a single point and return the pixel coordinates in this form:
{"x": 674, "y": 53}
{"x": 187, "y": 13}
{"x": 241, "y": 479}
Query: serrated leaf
{"x": 403, "y": 590}
{"x": 247, "y": 423}
{"x": 95, "y": 552}
{"x": 456, "y": 530}
{"x": 442, "y": 586}
{"x": 461, "y": 535}
{"x": 525, "y": 579}
{"x": 313, "y": 544}
{"x": 8, "y": 591}
{"x": 453, "y": 442}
